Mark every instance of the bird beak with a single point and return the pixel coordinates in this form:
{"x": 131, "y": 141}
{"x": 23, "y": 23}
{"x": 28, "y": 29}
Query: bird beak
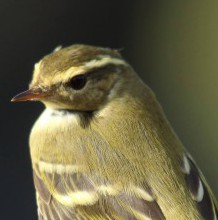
{"x": 30, "y": 94}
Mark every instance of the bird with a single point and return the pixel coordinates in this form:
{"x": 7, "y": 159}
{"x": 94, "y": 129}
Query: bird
{"x": 103, "y": 148}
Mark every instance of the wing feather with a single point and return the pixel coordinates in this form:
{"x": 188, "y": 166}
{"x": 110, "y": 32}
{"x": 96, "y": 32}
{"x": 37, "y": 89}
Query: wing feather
{"x": 91, "y": 200}
{"x": 199, "y": 189}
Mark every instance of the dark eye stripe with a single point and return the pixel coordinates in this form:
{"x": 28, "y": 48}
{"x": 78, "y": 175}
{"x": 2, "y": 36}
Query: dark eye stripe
{"x": 199, "y": 189}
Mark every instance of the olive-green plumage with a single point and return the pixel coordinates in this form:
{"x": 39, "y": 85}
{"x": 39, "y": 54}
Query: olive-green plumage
{"x": 103, "y": 148}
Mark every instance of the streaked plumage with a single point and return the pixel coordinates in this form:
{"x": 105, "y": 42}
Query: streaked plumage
{"x": 106, "y": 150}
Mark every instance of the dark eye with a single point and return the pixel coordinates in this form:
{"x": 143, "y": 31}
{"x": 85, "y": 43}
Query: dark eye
{"x": 78, "y": 82}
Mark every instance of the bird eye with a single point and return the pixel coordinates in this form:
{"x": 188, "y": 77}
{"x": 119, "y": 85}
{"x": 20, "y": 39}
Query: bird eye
{"x": 78, "y": 82}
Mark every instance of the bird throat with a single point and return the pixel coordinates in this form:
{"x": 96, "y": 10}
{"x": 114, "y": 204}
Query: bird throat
{"x": 83, "y": 117}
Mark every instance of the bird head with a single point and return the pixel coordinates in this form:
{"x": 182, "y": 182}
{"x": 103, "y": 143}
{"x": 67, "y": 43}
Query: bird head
{"x": 78, "y": 77}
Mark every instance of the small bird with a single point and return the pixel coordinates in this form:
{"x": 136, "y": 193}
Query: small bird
{"x": 103, "y": 148}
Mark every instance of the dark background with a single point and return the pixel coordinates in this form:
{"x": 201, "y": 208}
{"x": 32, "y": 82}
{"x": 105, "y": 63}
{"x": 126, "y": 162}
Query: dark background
{"x": 172, "y": 44}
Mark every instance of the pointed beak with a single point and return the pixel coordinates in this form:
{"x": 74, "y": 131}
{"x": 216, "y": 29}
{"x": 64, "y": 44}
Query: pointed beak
{"x": 30, "y": 94}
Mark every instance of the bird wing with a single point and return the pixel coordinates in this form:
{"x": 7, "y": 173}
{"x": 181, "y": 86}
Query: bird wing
{"x": 74, "y": 195}
{"x": 199, "y": 189}
{"x": 67, "y": 194}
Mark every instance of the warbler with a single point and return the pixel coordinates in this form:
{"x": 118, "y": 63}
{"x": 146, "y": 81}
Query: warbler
{"x": 103, "y": 147}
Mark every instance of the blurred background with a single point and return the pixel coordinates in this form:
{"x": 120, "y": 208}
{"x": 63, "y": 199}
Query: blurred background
{"x": 173, "y": 45}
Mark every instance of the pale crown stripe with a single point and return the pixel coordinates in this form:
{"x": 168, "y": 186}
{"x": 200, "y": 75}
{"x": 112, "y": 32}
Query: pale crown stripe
{"x": 96, "y": 63}
{"x": 57, "y": 48}
{"x": 102, "y": 61}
